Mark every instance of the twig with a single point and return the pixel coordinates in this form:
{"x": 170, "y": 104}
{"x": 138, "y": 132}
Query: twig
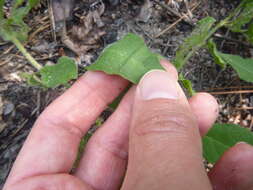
{"x": 217, "y": 78}
{"x": 40, "y": 29}
{"x": 169, "y": 27}
{"x": 8, "y": 50}
{"x": 168, "y": 8}
{"x": 229, "y": 87}
{"x": 172, "y": 11}
{"x": 233, "y": 40}
{"x": 251, "y": 124}
{"x": 5, "y": 61}
{"x": 232, "y": 92}
{"x": 188, "y": 8}
{"x": 223, "y": 40}
{"x": 38, "y": 103}
{"x": 48, "y": 57}
{"x": 3, "y": 43}
{"x": 147, "y": 34}
{"x": 52, "y": 19}
{"x": 244, "y": 108}
{"x": 175, "y": 23}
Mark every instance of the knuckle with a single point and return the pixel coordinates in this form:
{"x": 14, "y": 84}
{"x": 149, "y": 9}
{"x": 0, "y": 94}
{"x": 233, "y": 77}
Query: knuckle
{"x": 115, "y": 148}
{"x": 164, "y": 119}
{"x": 65, "y": 125}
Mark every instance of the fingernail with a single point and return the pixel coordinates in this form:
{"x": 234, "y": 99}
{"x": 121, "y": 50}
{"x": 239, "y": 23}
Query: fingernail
{"x": 158, "y": 84}
{"x": 241, "y": 142}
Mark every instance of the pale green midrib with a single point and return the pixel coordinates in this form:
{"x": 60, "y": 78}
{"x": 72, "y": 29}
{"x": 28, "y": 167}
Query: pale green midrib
{"x": 229, "y": 136}
{"x": 125, "y": 61}
{"x": 218, "y": 142}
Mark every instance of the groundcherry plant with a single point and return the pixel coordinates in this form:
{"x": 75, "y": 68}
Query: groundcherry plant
{"x": 14, "y": 29}
{"x": 131, "y": 59}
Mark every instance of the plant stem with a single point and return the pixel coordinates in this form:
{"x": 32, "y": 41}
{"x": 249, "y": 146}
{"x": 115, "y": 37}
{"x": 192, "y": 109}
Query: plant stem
{"x": 26, "y": 53}
{"x": 194, "y": 49}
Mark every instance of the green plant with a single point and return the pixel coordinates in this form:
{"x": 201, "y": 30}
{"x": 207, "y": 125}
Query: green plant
{"x": 221, "y": 137}
{"x": 14, "y": 29}
{"x": 131, "y": 59}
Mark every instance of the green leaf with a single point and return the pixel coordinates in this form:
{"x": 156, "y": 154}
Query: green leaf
{"x": 216, "y": 55}
{"x": 33, "y": 3}
{"x": 196, "y": 40}
{"x": 243, "y": 17}
{"x": 10, "y": 28}
{"x": 243, "y": 67}
{"x": 187, "y": 85}
{"x": 14, "y": 26}
{"x": 29, "y": 5}
{"x": 1, "y": 10}
{"x": 16, "y": 4}
{"x": 58, "y": 74}
{"x": 52, "y": 76}
{"x": 249, "y": 33}
{"x": 221, "y": 137}
{"x": 128, "y": 57}
{"x": 18, "y": 15}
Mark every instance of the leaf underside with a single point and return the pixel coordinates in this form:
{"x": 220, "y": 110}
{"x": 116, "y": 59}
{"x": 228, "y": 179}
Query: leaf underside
{"x": 128, "y": 57}
{"x": 243, "y": 67}
{"x": 221, "y": 137}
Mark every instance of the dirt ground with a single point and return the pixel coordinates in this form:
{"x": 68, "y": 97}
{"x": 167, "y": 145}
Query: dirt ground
{"x": 163, "y": 31}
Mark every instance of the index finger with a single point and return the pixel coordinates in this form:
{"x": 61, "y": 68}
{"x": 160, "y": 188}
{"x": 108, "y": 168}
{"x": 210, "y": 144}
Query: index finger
{"x": 52, "y": 145}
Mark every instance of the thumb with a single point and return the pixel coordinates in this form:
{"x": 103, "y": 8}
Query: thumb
{"x": 164, "y": 142}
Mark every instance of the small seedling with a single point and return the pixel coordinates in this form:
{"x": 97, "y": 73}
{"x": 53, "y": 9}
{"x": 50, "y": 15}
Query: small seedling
{"x": 14, "y": 29}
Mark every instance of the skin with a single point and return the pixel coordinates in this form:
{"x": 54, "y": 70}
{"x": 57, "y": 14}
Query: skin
{"x": 152, "y": 140}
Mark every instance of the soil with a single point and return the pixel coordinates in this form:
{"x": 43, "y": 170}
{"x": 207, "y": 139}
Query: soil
{"x": 20, "y": 104}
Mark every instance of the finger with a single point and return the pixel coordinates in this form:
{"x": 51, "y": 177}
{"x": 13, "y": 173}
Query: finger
{"x": 98, "y": 168}
{"x": 53, "y": 143}
{"x": 104, "y": 162}
{"x": 203, "y": 105}
{"x": 171, "y": 69}
{"x": 164, "y": 139}
{"x": 206, "y": 109}
{"x": 49, "y": 182}
{"x": 234, "y": 170}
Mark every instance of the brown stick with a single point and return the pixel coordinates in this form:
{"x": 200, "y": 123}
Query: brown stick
{"x": 232, "y": 92}
{"x": 176, "y": 22}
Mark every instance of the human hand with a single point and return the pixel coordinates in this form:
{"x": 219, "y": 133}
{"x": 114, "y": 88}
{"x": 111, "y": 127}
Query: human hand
{"x": 152, "y": 140}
